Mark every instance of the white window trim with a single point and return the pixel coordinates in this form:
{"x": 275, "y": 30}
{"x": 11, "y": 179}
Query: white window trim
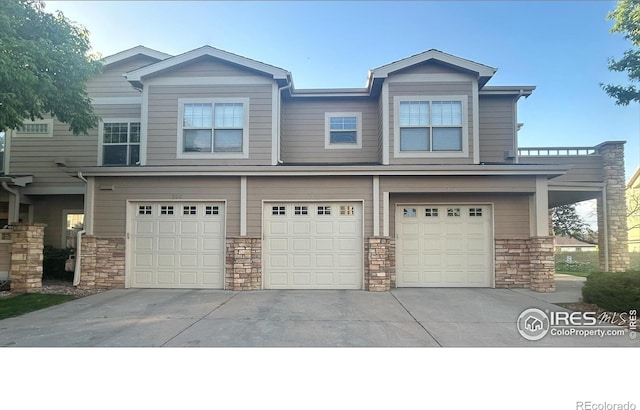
{"x": 180, "y": 154}
{"x": 49, "y": 134}
{"x": 431, "y": 154}
{"x": 327, "y": 130}
{"x": 101, "y": 136}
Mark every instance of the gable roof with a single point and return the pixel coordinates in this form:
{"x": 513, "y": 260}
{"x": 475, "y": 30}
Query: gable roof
{"x": 132, "y": 52}
{"x": 276, "y": 72}
{"x": 484, "y": 72}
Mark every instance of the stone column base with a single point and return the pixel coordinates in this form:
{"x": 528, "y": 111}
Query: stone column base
{"x": 379, "y": 264}
{"x": 525, "y": 263}
{"x": 26, "y": 257}
{"x": 102, "y": 263}
{"x": 243, "y": 266}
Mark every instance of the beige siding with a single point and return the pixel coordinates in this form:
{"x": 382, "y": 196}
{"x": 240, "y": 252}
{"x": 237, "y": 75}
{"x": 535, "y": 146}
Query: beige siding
{"x": 380, "y": 128}
{"x": 5, "y": 260}
{"x": 110, "y": 206}
{"x": 49, "y": 209}
{"x": 37, "y": 155}
{"x": 509, "y": 194}
{"x": 428, "y": 89}
{"x": 497, "y": 128}
{"x": 208, "y": 66}
{"x": 429, "y": 67}
{"x": 588, "y": 168}
{"x": 163, "y": 122}
{"x": 303, "y": 131}
{"x": 111, "y": 83}
{"x": 306, "y": 189}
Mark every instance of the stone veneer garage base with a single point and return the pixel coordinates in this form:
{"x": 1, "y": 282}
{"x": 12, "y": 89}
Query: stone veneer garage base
{"x": 519, "y": 263}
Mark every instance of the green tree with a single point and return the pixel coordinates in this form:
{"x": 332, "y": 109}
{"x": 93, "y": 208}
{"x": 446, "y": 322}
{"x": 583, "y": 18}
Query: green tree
{"x": 627, "y": 22}
{"x": 567, "y": 222}
{"x": 45, "y": 63}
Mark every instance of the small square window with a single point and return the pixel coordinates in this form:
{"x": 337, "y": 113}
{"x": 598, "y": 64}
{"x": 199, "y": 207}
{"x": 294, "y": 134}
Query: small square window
{"x": 409, "y": 212}
{"x": 211, "y": 210}
{"x": 324, "y": 210}
{"x": 475, "y": 211}
{"x": 166, "y": 210}
{"x": 301, "y": 210}
{"x": 189, "y": 210}
{"x": 278, "y": 210}
{"x": 431, "y": 212}
{"x": 346, "y": 210}
{"x": 144, "y": 210}
{"x": 453, "y": 211}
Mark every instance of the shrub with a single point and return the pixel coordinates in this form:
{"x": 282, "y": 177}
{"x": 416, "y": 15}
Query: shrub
{"x": 53, "y": 263}
{"x": 617, "y": 292}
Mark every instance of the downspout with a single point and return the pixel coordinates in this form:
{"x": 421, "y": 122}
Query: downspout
{"x": 16, "y": 205}
{"x": 280, "y": 89}
{"x": 78, "y": 266}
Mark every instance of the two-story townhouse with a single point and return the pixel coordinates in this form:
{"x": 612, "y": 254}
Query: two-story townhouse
{"x": 211, "y": 170}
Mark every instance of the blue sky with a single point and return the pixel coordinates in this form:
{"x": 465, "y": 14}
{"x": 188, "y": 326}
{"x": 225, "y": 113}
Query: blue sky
{"x": 560, "y": 47}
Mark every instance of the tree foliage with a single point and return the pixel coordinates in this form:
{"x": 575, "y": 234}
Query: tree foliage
{"x": 45, "y": 63}
{"x": 567, "y": 222}
{"x": 627, "y": 22}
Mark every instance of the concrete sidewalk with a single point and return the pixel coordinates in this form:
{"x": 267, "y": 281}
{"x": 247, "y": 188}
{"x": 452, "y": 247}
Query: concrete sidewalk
{"x": 214, "y": 318}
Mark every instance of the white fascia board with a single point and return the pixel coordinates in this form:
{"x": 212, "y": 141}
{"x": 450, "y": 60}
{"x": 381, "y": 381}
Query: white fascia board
{"x": 284, "y": 171}
{"x": 275, "y": 72}
{"x": 518, "y": 91}
{"x": 481, "y": 69}
{"x": 123, "y": 55}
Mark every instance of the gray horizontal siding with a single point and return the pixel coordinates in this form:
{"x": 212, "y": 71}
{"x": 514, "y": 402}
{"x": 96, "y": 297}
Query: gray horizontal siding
{"x": 497, "y": 128}
{"x": 306, "y": 189}
{"x": 429, "y": 67}
{"x": 163, "y": 122}
{"x": 111, "y": 83}
{"x": 430, "y": 89}
{"x": 588, "y": 168}
{"x": 110, "y": 206}
{"x": 208, "y": 66}
{"x": 303, "y": 131}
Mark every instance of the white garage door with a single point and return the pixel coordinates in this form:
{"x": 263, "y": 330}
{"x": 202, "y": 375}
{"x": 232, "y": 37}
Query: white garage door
{"x": 313, "y": 246}
{"x": 444, "y": 245}
{"x": 177, "y": 245}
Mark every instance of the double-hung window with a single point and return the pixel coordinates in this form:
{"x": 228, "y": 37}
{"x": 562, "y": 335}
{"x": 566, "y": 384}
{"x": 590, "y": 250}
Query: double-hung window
{"x": 120, "y": 142}
{"x": 426, "y": 127}
{"x": 343, "y": 130}
{"x": 209, "y": 128}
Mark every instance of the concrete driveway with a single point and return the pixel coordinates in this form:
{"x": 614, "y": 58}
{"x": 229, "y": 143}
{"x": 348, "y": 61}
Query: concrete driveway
{"x": 402, "y": 317}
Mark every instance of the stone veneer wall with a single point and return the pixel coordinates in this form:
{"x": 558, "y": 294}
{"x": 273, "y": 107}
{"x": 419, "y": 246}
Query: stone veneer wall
{"x": 102, "y": 262}
{"x": 616, "y": 217}
{"x": 27, "y": 257}
{"x": 525, "y": 263}
{"x": 379, "y": 264}
{"x": 243, "y": 265}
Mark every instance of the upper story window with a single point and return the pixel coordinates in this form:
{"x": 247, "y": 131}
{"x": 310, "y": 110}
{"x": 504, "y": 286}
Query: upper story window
{"x": 36, "y": 129}
{"x": 434, "y": 126}
{"x": 120, "y": 142}
{"x": 343, "y": 130}
{"x": 213, "y": 128}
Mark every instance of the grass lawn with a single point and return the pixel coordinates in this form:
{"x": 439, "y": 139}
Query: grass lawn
{"x": 28, "y": 302}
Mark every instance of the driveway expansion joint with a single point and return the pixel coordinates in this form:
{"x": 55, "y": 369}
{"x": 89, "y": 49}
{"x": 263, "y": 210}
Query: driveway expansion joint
{"x": 198, "y": 321}
{"x": 416, "y": 320}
